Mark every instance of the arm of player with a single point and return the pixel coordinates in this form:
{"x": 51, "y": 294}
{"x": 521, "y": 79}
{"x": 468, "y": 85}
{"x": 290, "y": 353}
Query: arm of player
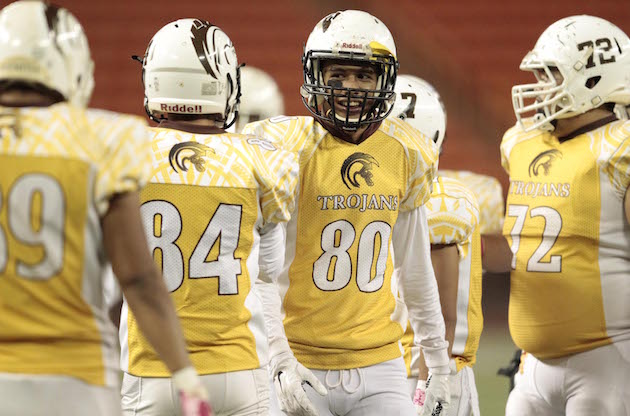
{"x": 496, "y": 256}
{"x": 288, "y": 374}
{"x": 144, "y": 290}
{"x": 418, "y": 287}
{"x": 445, "y": 260}
{"x": 626, "y": 204}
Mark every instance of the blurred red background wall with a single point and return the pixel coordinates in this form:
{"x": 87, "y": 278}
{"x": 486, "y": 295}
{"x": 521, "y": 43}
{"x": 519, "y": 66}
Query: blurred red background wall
{"x": 470, "y": 51}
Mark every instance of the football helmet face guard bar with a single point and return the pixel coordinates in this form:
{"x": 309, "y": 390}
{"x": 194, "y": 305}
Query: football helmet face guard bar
{"x": 593, "y": 57}
{"x": 319, "y": 98}
{"x": 546, "y": 99}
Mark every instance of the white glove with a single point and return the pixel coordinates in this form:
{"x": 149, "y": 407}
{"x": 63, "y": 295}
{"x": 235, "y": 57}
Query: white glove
{"x": 289, "y": 379}
{"x": 437, "y": 395}
{"x": 193, "y": 397}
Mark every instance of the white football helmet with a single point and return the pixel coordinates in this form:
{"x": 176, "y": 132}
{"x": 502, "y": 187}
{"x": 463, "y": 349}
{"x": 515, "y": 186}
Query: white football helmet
{"x": 420, "y": 105}
{"x": 353, "y": 37}
{"x": 593, "y": 58}
{"x": 260, "y": 97}
{"x": 45, "y": 45}
{"x": 190, "y": 67}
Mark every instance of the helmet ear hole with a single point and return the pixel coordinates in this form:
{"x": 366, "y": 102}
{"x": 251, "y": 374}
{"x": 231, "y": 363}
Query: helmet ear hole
{"x": 592, "y": 82}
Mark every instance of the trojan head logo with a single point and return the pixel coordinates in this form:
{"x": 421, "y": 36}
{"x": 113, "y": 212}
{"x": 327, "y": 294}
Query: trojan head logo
{"x": 358, "y": 165}
{"x": 542, "y": 162}
{"x": 199, "y": 32}
{"x": 52, "y": 18}
{"x": 328, "y": 20}
{"x": 189, "y": 153}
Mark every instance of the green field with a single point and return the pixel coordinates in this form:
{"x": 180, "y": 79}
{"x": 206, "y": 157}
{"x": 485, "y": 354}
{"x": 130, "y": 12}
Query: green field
{"x": 495, "y": 350}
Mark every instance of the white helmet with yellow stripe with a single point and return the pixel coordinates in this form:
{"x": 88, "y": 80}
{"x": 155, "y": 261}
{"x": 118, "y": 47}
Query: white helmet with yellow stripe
{"x": 350, "y": 37}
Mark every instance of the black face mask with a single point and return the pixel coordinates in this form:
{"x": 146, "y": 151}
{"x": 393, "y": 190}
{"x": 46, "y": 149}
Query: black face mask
{"x": 319, "y": 98}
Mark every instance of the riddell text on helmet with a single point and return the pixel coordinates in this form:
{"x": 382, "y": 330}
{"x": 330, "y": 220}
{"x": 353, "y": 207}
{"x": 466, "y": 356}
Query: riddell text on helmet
{"x": 181, "y": 108}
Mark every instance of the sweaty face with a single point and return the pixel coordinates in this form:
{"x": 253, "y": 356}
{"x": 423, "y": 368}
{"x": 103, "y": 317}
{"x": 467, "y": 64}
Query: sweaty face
{"x": 350, "y": 104}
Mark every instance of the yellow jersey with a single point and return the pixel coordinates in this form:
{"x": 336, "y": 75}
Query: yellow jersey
{"x": 453, "y": 217}
{"x": 207, "y": 201}
{"x": 339, "y": 298}
{"x": 57, "y": 175}
{"x": 489, "y": 194}
{"x": 569, "y": 237}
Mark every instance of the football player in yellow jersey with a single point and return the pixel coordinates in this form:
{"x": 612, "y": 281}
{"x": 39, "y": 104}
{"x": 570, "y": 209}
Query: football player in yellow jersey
{"x": 261, "y": 97}
{"x": 211, "y": 211}
{"x": 364, "y": 180}
{"x": 68, "y": 197}
{"x": 453, "y": 218}
{"x": 567, "y": 223}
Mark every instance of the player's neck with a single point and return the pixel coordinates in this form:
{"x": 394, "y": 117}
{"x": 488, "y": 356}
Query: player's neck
{"x": 17, "y": 98}
{"x": 354, "y": 137}
{"x": 570, "y": 127}
{"x": 357, "y": 136}
{"x": 201, "y": 126}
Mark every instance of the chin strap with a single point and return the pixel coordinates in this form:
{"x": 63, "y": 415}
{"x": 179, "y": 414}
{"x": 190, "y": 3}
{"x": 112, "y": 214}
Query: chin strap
{"x": 346, "y": 136}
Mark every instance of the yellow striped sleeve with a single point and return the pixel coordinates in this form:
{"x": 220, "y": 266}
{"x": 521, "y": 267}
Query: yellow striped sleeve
{"x": 277, "y": 172}
{"x": 489, "y": 194}
{"x": 617, "y": 141}
{"x": 422, "y": 162}
{"x": 452, "y": 212}
{"x": 126, "y": 163}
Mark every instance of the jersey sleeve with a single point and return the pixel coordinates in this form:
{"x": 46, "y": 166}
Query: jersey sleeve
{"x": 452, "y": 212}
{"x": 279, "y": 170}
{"x": 491, "y": 206}
{"x": 618, "y": 166}
{"x": 125, "y": 165}
{"x": 489, "y": 194}
{"x": 507, "y": 144}
{"x": 422, "y": 162}
{"x": 276, "y": 129}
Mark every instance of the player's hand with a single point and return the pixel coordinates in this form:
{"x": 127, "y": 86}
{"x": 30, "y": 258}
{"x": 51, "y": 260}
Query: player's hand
{"x": 193, "y": 397}
{"x": 437, "y": 395}
{"x": 289, "y": 379}
{"x": 420, "y": 395}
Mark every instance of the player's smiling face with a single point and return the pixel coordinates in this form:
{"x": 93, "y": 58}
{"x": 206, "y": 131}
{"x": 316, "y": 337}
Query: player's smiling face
{"x": 357, "y": 77}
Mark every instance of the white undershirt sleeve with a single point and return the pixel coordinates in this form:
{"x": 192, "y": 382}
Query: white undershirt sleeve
{"x": 271, "y": 259}
{"x": 417, "y": 285}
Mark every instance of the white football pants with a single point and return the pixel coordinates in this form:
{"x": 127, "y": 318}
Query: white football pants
{"x": 237, "y": 393}
{"x": 52, "y": 395}
{"x": 595, "y": 382}
{"x": 377, "y": 390}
